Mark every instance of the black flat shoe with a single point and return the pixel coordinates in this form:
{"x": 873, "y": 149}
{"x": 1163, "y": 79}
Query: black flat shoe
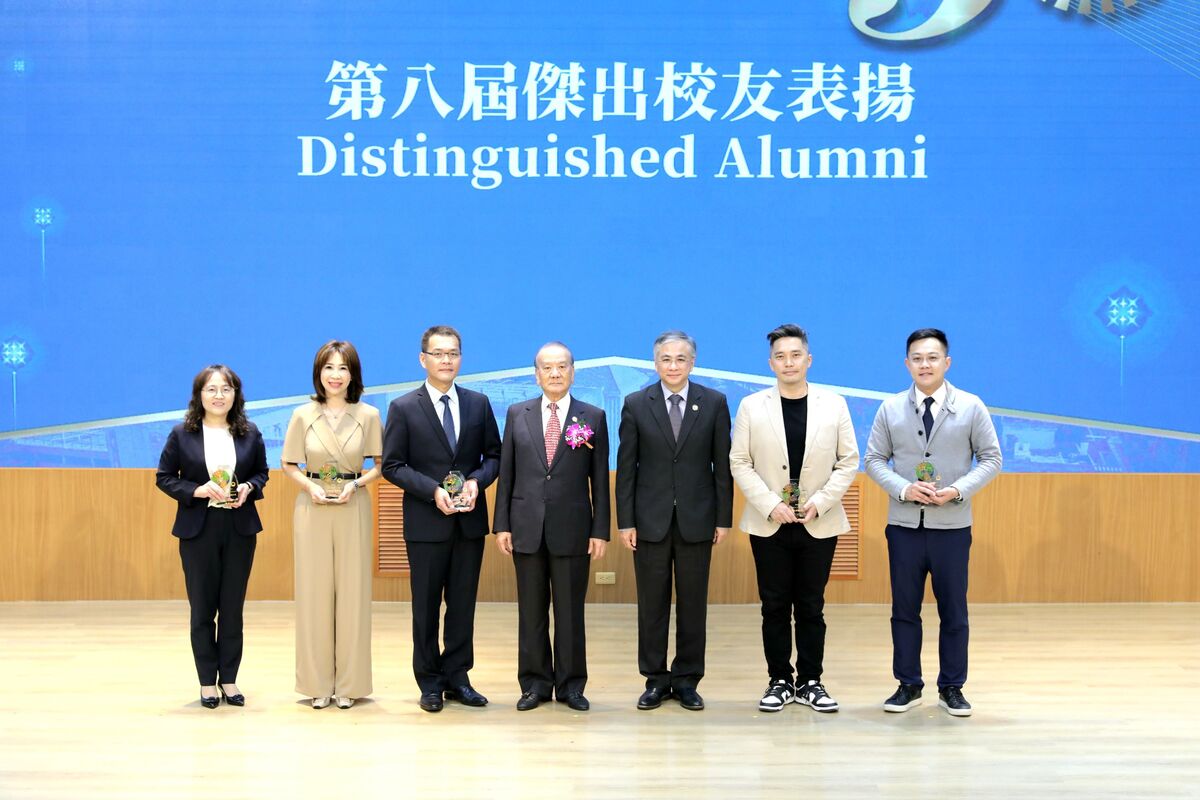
{"x": 530, "y": 701}
{"x": 466, "y": 695}
{"x": 210, "y": 702}
{"x": 690, "y": 699}
{"x": 576, "y": 701}
{"x": 653, "y": 698}
{"x": 238, "y": 699}
{"x": 431, "y": 702}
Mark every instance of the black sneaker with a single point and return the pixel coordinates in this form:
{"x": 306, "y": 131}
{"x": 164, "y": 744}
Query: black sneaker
{"x": 951, "y": 698}
{"x": 778, "y": 695}
{"x": 907, "y": 696}
{"x": 813, "y": 695}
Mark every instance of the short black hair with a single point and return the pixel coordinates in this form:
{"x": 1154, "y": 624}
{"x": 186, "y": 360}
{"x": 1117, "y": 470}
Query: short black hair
{"x": 927, "y": 333}
{"x": 439, "y": 330}
{"x": 787, "y": 330}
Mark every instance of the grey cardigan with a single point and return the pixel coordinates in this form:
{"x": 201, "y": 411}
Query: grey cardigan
{"x": 962, "y": 433}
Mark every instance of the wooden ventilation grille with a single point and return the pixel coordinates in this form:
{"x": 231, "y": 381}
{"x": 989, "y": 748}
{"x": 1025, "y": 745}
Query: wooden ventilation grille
{"x": 391, "y": 554}
{"x": 845, "y": 557}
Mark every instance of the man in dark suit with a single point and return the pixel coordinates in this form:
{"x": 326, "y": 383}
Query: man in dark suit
{"x": 674, "y": 502}
{"x": 552, "y": 515}
{"x": 436, "y": 429}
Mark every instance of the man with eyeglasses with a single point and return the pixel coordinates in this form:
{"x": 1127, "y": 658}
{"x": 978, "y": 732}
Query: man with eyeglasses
{"x": 674, "y": 502}
{"x": 793, "y": 456}
{"x": 932, "y": 447}
{"x": 435, "y": 430}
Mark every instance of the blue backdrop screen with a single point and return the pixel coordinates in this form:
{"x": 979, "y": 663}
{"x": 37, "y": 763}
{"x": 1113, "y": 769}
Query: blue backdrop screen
{"x": 186, "y": 184}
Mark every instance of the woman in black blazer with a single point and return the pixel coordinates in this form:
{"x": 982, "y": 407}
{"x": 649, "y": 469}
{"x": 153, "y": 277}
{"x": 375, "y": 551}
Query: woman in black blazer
{"x": 215, "y": 464}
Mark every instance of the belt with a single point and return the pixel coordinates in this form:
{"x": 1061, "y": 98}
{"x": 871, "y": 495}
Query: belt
{"x": 346, "y": 476}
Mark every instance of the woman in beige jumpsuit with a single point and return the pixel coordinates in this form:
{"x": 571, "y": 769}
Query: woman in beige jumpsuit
{"x": 334, "y": 433}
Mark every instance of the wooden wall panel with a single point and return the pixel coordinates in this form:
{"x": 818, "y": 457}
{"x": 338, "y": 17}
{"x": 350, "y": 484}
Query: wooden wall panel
{"x": 92, "y": 534}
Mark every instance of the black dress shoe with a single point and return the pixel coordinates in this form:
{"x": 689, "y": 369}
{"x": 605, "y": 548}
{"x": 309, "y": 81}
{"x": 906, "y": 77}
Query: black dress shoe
{"x": 530, "y": 701}
{"x": 653, "y": 697}
{"x": 690, "y": 699}
{"x": 431, "y": 701}
{"x": 576, "y": 701}
{"x": 210, "y": 702}
{"x": 466, "y": 695}
{"x": 238, "y": 699}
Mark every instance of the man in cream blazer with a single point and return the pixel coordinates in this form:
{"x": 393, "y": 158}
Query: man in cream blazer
{"x": 793, "y": 432}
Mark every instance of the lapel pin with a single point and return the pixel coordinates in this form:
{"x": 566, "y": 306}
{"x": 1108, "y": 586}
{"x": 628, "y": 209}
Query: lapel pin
{"x": 695, "y": 407}
{"x": 574, "y": 419}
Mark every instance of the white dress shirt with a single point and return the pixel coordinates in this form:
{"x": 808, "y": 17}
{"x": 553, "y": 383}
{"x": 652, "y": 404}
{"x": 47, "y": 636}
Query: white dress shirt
{"x": 436, "y": 396}
{"x": 564, "y": 407}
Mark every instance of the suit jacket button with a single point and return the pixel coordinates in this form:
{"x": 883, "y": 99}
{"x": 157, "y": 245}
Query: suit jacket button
{"x": 674, "y": 460}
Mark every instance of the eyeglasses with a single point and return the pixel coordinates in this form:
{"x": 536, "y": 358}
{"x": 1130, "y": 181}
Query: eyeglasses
{"x": 920, "y": 361}
{"x": 443, "y": 355}
{"x": 682, "y": 361}
{"x": 219, "y": 391}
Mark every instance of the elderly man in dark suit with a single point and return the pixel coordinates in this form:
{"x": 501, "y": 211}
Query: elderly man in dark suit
{"x": 552, "y": 515}
{"x": 674, "y": 502}
{"x": 434, "y": 430}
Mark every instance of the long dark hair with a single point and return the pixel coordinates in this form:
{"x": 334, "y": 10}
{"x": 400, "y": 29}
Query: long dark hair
{"x": 238, "y": 424}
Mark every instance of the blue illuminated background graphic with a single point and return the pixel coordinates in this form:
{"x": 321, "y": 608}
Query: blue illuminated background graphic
{"x": 152, "y": 219}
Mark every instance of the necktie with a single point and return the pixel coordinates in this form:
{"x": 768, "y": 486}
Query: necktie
{"x": 927, "y": 419}
{"x": 553, "y": 434}
{"x": 448, "y": 423}
{"x": 675, "y": 414}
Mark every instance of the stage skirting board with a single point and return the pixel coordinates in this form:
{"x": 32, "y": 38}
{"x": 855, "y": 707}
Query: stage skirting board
{"x": 104, "y": 534}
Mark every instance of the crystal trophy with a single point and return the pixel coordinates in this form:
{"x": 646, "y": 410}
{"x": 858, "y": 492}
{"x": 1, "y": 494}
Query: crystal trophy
{"x": 331, "y": 480}
{"x": 794, "y": 495}
{"x": 223, "y": 477}
{"x": 927, "y": 472}
{"x": 453, "y": 484}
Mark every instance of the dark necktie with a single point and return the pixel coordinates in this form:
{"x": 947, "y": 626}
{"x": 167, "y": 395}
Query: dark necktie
{"x": 448, "y": 423}
{"x": 675, "y": 414}
{"x": 927, "y": 419}
{"x": 553, "y": 434}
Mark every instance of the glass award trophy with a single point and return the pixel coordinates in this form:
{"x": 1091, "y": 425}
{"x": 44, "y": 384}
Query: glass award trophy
{"x": 927, "y": 472}
{"x": 453, "y": 484}
{"x": 223, "y": 476}
{"x": 794, "y": 495}
{"x": 331, "y": 480}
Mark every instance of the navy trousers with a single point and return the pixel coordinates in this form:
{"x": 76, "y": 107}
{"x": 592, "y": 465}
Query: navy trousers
{"x": 942, "y": 554}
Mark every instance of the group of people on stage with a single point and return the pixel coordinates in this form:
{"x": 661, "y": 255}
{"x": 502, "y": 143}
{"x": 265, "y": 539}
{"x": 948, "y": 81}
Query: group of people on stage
{"x": 791, "y": 451}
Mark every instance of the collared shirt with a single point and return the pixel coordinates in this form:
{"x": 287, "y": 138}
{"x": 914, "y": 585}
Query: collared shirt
{"x": 682, "y": 393}
{"x": 436, "y": 397}
{"x": 564, "y": 408}
{"x": 939, "y": 402}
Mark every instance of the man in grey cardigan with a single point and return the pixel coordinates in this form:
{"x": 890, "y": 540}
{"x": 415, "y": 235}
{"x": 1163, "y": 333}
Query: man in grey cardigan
{"x": 931, "y": 449}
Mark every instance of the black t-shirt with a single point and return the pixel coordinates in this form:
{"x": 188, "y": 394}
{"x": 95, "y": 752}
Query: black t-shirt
{"x": 795, "y": 427}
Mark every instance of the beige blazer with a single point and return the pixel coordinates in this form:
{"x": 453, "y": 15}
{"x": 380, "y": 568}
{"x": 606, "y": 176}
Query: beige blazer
{"x": 758, "y": 460}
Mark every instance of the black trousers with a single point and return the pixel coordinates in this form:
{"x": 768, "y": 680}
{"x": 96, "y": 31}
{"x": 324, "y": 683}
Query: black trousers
{"x": 444, "y": 571}
{"x": 793, "y": 567}
{"x": 541, "y": 579}
{"x": 216, "y": 570}
{"x": 653, "y": 564}
{"x": 944, "y": 555}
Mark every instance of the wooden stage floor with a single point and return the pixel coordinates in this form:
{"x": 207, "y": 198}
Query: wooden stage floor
{"x": 1089, "y": 701}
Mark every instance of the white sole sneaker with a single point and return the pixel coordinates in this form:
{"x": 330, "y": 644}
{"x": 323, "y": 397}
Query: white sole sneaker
{"x": 896, "y": 708}
{"x": 955, "y": 712}
{"x": 821, "y": 709}
{"x": 771, "y": 709}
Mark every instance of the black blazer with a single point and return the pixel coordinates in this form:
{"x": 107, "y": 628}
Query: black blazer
{"x": 657, "y": 476}
{"x": 181, "y": 469}
{"x": 416, "y": 457}
{"x": 566, "y": 500}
